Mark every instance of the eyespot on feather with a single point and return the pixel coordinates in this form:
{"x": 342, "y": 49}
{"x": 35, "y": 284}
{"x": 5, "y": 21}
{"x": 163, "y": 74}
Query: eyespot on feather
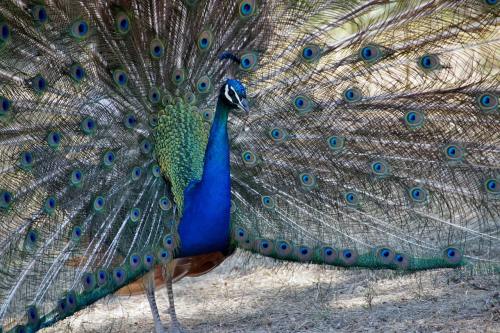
{"x": 348, "y": 257}
{"x": 310, "y": 53}
{"x": 122, "y": 23}
{"x": 371, "y": 53}
{"x": 156, "y": 49}
{"x": 264, "y": 246}
{"x": 247, "y": 8}
{"x": 80, "y": 29}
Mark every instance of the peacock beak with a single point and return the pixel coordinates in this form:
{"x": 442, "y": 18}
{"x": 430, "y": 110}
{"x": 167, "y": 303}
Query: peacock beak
{"x": 243, "y": 104}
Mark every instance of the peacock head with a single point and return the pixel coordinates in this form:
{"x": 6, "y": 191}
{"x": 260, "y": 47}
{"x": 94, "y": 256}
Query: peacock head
{"x": 233, "y": 93}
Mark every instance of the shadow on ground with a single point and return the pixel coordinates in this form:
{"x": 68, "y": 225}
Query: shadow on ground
{"x": 256, "y": 295}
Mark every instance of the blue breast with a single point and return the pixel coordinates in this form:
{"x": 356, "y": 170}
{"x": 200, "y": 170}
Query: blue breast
{"x": 205, "y": 223}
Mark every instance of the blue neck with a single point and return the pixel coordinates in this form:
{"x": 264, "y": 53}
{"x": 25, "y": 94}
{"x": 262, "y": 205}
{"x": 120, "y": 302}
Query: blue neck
{"x": 205, "y": 222}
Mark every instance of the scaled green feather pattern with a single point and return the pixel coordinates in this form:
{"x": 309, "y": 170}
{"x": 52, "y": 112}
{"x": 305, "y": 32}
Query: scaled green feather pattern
{"x": 181, "y": 139}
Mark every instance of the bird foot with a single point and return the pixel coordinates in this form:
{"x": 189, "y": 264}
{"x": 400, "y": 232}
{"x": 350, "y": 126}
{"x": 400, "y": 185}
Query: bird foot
{"x": 171, "y": 329}
{"x": 175, "y": 328}
{"x": 159, "y": 329}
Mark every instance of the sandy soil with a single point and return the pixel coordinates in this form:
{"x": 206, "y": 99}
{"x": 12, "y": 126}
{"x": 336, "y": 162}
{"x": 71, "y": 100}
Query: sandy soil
{"x": 255, "y": 295}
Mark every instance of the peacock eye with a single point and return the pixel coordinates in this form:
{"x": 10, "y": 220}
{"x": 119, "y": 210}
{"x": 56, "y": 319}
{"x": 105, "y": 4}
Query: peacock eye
{"x": 454, "y": 152}
{"x": 88, "y": 126}
{"x": 351, "y": 198}
{"x": 50, "y": 205}
{"x": 310, "y": 53}
{"x": 154, "y": 95}
{"x": 79, "y": 29}
{"x": 203, "y": 85}
{"x": 119, "y": 275}
{"x": 249, "y": 158}
{"x": 268, "y": 202}
{"x": 130, "y": 121}
{"x": 32, "y": 236}
{"x": 26, "y": 160}
{"x": 385, "y": 255}
{"x": 205, "y": 40}
{"x": 4, "y": 33}
{"x": 336, "y": 143}
{"x": 418, "y": 194}
{"x": 146, "y": 146}
{"x": 5, "y": 199}
{"x": 178, "y": 76}
{"x": 32, "y": 313}
{"x": 135, "y": 214}
{"x": 303, "y": 104}
{"x": 247, "y": 8}
{"x": 39, "y": 84}
{"x": 77, "y": 72}
{"x": 168, "y": 242}
{"x": 54, "y": 139}
{"x": 307, "y": 180}
{"x": 452, "y": 255}
{"x": 108, "y": 158}
{"x": 164, "y": 256}
{"x": 380, "y": 168}
{"x": 5, "y": 105}
{"x": 190, "y": 98}
{"x": 414, "y": 119}
{"x": 120, "y": 77}
{"x": 487, "y": 102}
{"x": 156, "y": 49}
{"x": 76, "y": 178}
{"x": 156, "y": 171}
{"x": 122, "y": 23}
{"x": 428, "y": 62}
{"x": 39, "y": 14}
{"x": 492, "y": 186}
{"x": 165, "y": 203}
{"x": 249, "y": 61}
{"x": 371, "y": 53}
{"x": 352, "y": 95}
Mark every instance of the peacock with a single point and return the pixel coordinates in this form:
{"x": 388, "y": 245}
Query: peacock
{"x": 142, "y": 141}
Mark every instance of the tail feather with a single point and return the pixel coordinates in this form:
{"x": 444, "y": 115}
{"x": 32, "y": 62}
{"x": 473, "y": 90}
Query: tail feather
{"x": 372, "y": 139}
{"x": 82, "y": 199}
{"x": 369, "y": 133}
{"x": 79, "y": 185}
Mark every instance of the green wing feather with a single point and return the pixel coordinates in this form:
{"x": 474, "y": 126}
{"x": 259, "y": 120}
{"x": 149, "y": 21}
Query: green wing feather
{"x": 181, "y": 139}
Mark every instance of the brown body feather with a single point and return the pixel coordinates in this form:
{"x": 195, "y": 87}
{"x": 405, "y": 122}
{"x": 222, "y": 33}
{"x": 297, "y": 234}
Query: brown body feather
{"x": 189, "y": 266}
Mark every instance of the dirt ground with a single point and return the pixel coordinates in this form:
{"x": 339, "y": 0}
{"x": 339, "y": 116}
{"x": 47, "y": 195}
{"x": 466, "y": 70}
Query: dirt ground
{"x": 253, "y": 294}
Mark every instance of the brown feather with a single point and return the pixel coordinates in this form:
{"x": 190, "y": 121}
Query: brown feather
{"x": 188, "y": 266}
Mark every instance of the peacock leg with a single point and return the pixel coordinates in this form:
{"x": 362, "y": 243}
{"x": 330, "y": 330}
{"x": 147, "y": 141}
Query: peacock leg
{"x": 150, "y": 293}
{"x": 175, "y": 327}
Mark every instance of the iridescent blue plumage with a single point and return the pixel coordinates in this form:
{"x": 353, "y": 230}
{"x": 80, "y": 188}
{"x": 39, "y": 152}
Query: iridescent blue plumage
{"x": 125, "y": 150}
{"x": 205, "y": 223}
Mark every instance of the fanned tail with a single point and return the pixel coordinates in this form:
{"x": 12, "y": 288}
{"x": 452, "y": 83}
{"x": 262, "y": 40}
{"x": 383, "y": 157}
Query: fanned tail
{"x": 373, "y": 139}
{"x": 82, "y": 200}
{"x": 85, "y": 208}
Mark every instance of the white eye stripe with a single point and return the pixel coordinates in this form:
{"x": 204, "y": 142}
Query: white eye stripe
{"x": 235, "y": 94}
{"x": 226, "y": 93}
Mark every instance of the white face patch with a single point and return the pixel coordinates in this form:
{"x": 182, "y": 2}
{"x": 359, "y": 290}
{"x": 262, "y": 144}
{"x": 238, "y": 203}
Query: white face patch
{"x": 226, "y": 93}
{"x": 228, "y": 97}
{"x": 237, "y": 97}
